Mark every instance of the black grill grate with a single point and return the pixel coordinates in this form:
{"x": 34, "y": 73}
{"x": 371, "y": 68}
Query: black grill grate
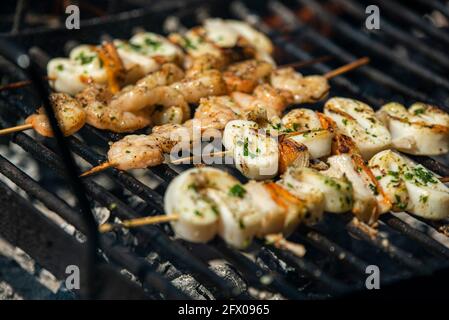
{"x": 338, "y": 253}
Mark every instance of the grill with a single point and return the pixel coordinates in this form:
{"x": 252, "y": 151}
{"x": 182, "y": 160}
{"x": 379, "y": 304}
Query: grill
{"x": 409, "y": 63}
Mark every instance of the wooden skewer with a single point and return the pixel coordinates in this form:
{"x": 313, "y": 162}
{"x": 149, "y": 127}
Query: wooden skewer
{"x": 444, "y": 179}
{"x": 276, "y": 240}
{"x": 100, "y": 167}
{"x": 21, "y": 84}
{"x": 138, "y": 222}
{"x": 346, "y": 68}
{"x": 106, "y": 165}
{"x": 21, "y": 127}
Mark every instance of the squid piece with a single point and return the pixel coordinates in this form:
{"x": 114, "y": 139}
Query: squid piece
{"x": 358, "y": 121}
{"x": 421, "y": 130}
{"x": 187, "y": 196}
{"x": 335, "y": 194}
{"x": 411, "y": 186}
{"x": 306, "y": 127}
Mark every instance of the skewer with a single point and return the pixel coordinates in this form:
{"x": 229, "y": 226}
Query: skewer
{"x": 21, "y": 127}
{"x": 347, "y": 67}
{"x": 276, "y": 240}
{"x": 106, "y": 165}
{"x": 138, "y": 222}
{"x": 331, "y": 74}
{"x": 444, "y": 179}
{"x": 21, "y": 84}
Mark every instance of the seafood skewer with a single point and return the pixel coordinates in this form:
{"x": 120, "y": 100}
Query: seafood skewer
{"x": 215, "y": 113}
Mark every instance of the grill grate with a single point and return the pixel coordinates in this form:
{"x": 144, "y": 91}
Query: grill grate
{"x": 338, "y": 252}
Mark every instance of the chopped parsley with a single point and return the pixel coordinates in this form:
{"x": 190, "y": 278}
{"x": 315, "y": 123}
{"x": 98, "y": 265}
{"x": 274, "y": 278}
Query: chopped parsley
{"x": 85, "y": 59}
{"x": 423, "y": 198}
{"x": 153, "y": 44}
{"x": 420, "y": 176}
{"x": 134, "y": 46}
{"x": 344, "y": 121}
{"x": 237, "y": 191}
{"x": 419, "y": 111}
{"x": 198, "y": 213}
{"x": 60, "y": 67}
{"x": 188, "y": 44}
{"x": 373, "y": 189}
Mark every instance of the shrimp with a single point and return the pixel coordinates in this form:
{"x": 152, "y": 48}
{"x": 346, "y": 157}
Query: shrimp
{"x": 307, "y": 89}
{"x": 203, "y": 84}
{"x": 245, "y": 76}
{"x": 421, "y": 130}
{"x": 95, "y": 101}
{"x": 358, "y": 121}
{"x": 216, "y": 112}
{"x": 142, "y": 151}
{"x": 143, "y": 95}
{"x": 68, "y": 111}
{"x": 272, "y": 100}
{"x": 411, "y": 186}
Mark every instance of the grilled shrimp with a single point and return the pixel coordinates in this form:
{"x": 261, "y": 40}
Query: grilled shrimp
{"x": 201, "y": 85}
{"x": 358, "y": 121}
{"x": 74, "y": 73}
{"x": 216, "y": 112}
{"x": 265, "y": 97}
{"x": 146, "y": 92}
{"x": 95, "y": 100}
{"x": 197, "y": 65}
{"x": 188, "y": 195}
{"x": 305, "y": 126}
{"x": 335, "y": 194}
{"x": 307, "y": 89}
{"x": 142, "y": 151}
{"x": 245, "y": 76}
{"x": 421, "y": 130}
{"x": 68, "y": 111}
{"x": 411, "y": 186}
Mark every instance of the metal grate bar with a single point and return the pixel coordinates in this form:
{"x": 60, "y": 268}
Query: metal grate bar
{"x": 347, "y": 57}
{"x": 374, "y": 46}
{"x": 403, "y": 13}
{"x": 139, "y": 267}
{"x": 397, "y": 34}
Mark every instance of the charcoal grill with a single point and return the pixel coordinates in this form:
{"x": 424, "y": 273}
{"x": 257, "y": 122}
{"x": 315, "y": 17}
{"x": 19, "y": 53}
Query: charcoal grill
{"x": 408, "y": 63}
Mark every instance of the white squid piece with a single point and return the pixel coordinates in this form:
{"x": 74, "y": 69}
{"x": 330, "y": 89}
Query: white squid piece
{"x": 411, "y": 186}
{"x": 187, "y": 196}
{"x": 421, "y": 130}
{"x": 358, "y": 121}
{"x": 335, "y": 194}
{"x": 368, "y": 198}
{"x": 72, "y": 74}
{"x": 306, "y": 128}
